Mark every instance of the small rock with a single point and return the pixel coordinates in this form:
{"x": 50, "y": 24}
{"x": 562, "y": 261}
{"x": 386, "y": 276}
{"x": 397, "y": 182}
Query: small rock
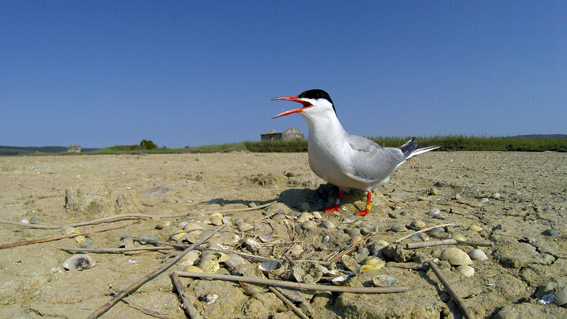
{"x": 399, "y": 228}
{"x": 551, "y": 233}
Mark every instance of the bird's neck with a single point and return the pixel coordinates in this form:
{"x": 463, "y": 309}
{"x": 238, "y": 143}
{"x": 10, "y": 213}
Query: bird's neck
{"x": 325, "y": 129}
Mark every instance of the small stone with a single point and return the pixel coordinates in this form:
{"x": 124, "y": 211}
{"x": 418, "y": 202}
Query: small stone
{"x": 483, "y": 200}
{"x": 399, "y": 228}
{"x": 551, "y": 233}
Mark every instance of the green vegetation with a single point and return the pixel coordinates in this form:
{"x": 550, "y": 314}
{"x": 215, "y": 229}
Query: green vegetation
{"x": 531, "y": 143}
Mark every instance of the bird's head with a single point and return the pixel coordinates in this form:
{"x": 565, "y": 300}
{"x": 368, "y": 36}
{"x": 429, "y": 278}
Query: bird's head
{"x": 314, "y": 102}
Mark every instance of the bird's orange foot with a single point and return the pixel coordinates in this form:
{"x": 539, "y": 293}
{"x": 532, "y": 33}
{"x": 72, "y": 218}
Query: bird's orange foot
{"x": 362, "y": 212}
{"x": 334, "y": 208}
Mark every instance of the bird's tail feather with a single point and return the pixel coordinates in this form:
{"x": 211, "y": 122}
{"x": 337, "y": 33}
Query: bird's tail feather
{"x": 423, "y": 150}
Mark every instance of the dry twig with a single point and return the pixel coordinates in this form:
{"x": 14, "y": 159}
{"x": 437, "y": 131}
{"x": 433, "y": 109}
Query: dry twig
{"x": 293, "y": 285}
{"x": 421, "y": 231}
{"x": 130, "y": 216}
{"x": 111, "y": 250}
{"x": 150, "y": 276}
{"x": 297, "y": 311}
{"x": 450, "y": 290}
{"x": 182, "y": 292}
{"x": 43, "y": 240}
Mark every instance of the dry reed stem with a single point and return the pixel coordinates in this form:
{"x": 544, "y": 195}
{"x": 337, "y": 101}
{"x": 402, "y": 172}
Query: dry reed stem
{"x": 293, "y": 285}
{"x": 184, "y": 296}
{"x": 43, "y": 240}
{"x": 450, "y": 290}
{"x": 150, "y": 276}
{"x": 297, "y": 311}
{"x": 130, "y": 216}
{"x": 421, "y": 231}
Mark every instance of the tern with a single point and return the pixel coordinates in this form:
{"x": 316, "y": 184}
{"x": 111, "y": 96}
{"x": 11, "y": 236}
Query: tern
{"x": 342, "y": 159}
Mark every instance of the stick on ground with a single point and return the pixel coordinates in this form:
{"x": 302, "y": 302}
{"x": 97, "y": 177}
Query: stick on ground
{"x": 150, "y": 276}
{"x": 182, "y": 292}
{"x": 450, "y": 290}
{"x": 293, "y": 285}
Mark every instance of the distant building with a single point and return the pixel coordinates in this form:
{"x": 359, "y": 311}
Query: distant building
{"x": 74, "y": 148}
{"x": 290, "y": 134}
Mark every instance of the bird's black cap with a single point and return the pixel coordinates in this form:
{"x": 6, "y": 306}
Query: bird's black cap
{"x": 317, "y": 94}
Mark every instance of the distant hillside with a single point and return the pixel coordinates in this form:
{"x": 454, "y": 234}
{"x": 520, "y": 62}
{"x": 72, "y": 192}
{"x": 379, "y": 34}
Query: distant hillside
{"x": 30, "y": 150}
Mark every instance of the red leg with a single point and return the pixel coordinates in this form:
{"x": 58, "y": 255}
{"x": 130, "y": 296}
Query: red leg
{"x": 335, "y": 208}
{"x": 365, "y": 211}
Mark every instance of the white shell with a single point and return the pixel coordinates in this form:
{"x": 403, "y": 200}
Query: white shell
{"x": 79, "y": 262}
{"x": 466, "y": 271}
{"x": 477, "y": 254}
{"x": 189, "y": 259}
{"x": 455, "y": 257}
{"x": 384, "y": 281}
{"x": 560, "y": 295}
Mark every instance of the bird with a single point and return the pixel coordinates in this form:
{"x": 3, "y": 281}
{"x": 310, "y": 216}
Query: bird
{"x": 343, "y": 159}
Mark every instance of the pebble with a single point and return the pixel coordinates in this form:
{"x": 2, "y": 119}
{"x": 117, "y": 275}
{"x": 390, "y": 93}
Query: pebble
{"x": 551, "y": 233}
{"x": 484, "y": 200}
{"x": 399, "y": 228}
{"x": 419, "y": 224}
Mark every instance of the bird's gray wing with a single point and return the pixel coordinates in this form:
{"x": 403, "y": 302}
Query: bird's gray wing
{"x": 370, "y": 161}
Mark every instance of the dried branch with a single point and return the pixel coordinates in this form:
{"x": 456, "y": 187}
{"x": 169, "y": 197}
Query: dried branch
{"x": 149, "y": 312}
{"x": 182, "y": 292}
{"x": 297, "y": 311}
{"x": 130, "y": 216}
{"x": 421, "y": 231}
{"x": 431, "y": 243}
{"x": 293, "y": 285}
{"x": 43, "y": 240}
{"x": 150, "y": 276}
{"x": 112, "y": 250}
{"x": 450, "y": 290}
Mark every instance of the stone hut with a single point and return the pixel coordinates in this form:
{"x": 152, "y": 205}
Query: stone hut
{"x": 74, "y": 148}
{"x": 290, "y": 134}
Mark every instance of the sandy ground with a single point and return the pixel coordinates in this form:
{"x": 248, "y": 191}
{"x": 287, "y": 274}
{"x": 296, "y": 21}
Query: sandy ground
{"x": 516, "y": 199}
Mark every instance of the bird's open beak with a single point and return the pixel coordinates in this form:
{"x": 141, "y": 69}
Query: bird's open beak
{"x": 291, "y": 111}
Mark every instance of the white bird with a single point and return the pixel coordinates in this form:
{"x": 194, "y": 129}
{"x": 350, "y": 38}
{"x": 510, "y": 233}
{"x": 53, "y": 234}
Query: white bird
{"x": 343, "y": 159}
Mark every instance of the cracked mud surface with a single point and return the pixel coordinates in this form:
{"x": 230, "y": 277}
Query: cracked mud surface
{"x": 516, "y": 198}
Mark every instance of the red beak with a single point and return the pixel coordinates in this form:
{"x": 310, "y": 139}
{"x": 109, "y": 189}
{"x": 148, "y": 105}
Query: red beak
{"x": 291, "y": 111}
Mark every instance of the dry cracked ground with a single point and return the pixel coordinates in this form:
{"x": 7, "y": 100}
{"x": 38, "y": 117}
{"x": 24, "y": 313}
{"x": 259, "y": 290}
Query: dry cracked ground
{"x": 516, "y": 201}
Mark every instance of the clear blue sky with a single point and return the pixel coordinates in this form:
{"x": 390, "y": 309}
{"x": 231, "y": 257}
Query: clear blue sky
{"x": 102, "y": 73}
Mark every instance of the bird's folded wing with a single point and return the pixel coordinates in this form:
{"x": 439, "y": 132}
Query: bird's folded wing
{"x": 371, "y": 162}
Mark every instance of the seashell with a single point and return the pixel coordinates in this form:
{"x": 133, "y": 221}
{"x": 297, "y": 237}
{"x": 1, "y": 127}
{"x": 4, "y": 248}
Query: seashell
{"x": 302, "y": 219}
{"x": 435, "y": 213}
{"x": 35, "y": 220}
{"x": 309, "y": 224}
{"x": 189, "y": 227}
{"x": 350, "y": 219}
{"x": 192, "y": 269}
{"x": 216, "y": 220}
{"x": 181, "y": 225}
{"x": 419, "y": 237}
{"x": 24, "y": 221}
{"x": 477, "y": 254}
{"x": 351, "y": 264}
{"x": 272, "y": 267}
{"x": 436, "y": 232}
{"x": 560, "y": 294}
{"x": 190, "y": 258}
{"x": 384, "y": 281}
{"x": 126, "y": 242}
{"x": 316, "y": 215}
{"x": 192, "y": 237}
{"x": 455, "y": 257}
{"x": 209, "y": 266}
{"x": 293, "y": 215}
{"x": 342, "y": 280}
{"x": 164, "y": 224}
{"x": 466, "y": 271}
{"x": 177, "y": 236}
{"x": 475, "y": 228}
{"x": 419, "y": 224}
{"x": 244, "y": 227}
{"x": 267, "y": 236}
{"x": 209, "y": 298}
{"x": 79, "y": 262}
{"x": 296, "y": 251}
{"x": 369, "y": 229}
{"x": 86, "y": 244}
{"x": 80, "y": 239}
{"x": 252, "y": 244}
{"x": 217, "y": 215}
{"x": 356, "y": 240}
{"x": 308, "y": 272}
{"x": 396, "y": 252}
{"x": 234, "y": 260}
{"x": 70, "y": 230}
{"x": 458, "y": 236}
{"x": 399, "y": 228}
{"x": 327, "y": 224}
{"x": 372, "y": 263}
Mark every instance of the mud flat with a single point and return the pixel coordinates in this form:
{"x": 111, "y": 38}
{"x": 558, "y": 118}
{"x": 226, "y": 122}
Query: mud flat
{"x": 516, "y": 201}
